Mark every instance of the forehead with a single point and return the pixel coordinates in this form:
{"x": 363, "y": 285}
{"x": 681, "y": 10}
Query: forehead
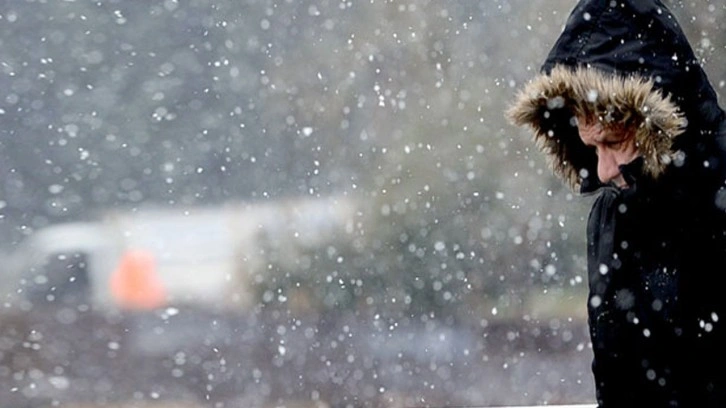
{"x": 595, "y": 131}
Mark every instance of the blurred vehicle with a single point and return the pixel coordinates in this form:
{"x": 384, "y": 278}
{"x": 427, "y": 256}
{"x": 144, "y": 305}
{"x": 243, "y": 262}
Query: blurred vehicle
{"x": 149, "y": 258}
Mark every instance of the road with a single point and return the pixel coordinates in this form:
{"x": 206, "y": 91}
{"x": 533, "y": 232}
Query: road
{"x": 191, "y": 358}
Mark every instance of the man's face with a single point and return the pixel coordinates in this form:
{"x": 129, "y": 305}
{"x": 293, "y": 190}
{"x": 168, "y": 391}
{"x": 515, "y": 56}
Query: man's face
{"x": 614, "y": 147}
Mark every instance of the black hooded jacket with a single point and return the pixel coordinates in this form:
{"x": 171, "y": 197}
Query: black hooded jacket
{"x": 657, "y": 249}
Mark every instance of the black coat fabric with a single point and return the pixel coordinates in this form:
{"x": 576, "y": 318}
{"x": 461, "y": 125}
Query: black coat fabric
{"x": 656, "y": 304}
{"x": 657, "y": 249}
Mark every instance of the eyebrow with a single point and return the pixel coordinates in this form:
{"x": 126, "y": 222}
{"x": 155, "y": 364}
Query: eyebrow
{"x": 610, "y": 136}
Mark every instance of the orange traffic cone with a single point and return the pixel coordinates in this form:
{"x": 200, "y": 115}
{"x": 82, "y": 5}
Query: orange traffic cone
{"x": 135, "y": 285}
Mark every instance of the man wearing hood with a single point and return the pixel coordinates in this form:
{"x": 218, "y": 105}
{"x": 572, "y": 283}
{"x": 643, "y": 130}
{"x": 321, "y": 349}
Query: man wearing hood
{"x": 623, "y": 110}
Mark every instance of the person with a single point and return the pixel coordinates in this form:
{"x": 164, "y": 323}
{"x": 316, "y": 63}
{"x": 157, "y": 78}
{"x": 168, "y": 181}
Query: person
{"x": 625, "y": 112}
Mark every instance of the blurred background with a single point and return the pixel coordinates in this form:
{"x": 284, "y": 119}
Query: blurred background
{"x": 282, "y": 203}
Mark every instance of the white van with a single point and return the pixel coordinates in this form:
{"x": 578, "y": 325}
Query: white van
{"x": 155, "y": 257}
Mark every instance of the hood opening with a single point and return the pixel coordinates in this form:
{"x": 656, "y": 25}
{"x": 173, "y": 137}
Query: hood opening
{"x": 550, "y": 102}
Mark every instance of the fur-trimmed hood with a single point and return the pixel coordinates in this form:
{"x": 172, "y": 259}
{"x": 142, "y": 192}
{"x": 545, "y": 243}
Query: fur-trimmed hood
{"x": 616, "y": 101}
{"x": 627, "y": 63}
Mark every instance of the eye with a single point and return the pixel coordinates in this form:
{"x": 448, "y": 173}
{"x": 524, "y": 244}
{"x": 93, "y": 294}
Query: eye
{"x": 613, "y": 144}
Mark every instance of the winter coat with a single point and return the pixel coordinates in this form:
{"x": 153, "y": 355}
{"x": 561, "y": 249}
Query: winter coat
{"x": 657, "y": 249}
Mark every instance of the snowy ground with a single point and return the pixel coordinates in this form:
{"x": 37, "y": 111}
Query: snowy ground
{"x": 193, "y": 358}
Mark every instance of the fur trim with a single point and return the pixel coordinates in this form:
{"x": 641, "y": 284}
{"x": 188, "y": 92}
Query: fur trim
{"x": 548, "y": 103}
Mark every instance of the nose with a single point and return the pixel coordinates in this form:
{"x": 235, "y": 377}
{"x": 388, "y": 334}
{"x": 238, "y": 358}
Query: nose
{"x": 607, "y": 166}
